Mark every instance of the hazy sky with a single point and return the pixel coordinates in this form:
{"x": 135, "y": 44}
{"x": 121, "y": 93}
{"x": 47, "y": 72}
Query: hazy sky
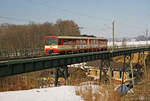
{"x": 132, "y": 17}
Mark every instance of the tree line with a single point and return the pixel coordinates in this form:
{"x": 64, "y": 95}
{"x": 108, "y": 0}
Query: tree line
{"x": 32, "y": 35}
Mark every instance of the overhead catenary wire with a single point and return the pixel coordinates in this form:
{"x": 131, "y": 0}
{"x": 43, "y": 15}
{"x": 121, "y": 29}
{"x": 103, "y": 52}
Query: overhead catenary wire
{"x": 62, "y": 9}
{"x": 82, "y": 14}
{"x": 107, "y": 27}
{"x": 103, "y": 28}
{"x": 75, "y": 13}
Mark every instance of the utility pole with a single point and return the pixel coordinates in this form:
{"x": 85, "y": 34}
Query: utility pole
{"x": 113, "y": 29}
{"x": 146, "y": 37}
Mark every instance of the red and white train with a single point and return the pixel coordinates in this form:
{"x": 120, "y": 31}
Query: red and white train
{"x": 66, "y": 44}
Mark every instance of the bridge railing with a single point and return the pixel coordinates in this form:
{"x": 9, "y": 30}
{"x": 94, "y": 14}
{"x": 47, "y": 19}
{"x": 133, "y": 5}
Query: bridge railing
{"x": 126, "y": 46}
{"x": 4, "y": 53}
{"x": 18, "y": 53}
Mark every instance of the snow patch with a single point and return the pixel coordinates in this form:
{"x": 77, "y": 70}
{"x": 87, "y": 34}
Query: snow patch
{"x": 63, "y": 93}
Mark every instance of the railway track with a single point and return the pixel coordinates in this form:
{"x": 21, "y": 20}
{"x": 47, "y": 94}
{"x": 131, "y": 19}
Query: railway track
{"x": 33, "y": 56}
{"x": 3, "y": 58}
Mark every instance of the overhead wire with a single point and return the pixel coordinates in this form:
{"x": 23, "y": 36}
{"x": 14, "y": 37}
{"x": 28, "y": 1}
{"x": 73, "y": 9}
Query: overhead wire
{"x": 106, "y": 26}
{"x": 71, "y": 12}
{"x": 61, "y": 9}
{"x": 89, "y": 16}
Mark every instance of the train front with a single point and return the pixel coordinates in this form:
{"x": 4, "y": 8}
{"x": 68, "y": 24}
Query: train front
{"x": 50, "y": 44}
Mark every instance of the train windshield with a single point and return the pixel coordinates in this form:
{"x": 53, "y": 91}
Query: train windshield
{"x": 51, "y": 41}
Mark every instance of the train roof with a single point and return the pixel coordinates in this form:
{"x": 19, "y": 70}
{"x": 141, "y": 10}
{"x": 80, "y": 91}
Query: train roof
{"x": 78, "y": 37}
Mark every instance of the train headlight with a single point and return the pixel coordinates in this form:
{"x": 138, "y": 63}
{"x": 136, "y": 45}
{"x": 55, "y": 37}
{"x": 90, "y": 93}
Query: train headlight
{"x": 47, "y": 46}
{"x": 52, "y": 46}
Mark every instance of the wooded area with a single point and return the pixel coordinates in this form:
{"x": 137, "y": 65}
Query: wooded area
{"x": 32, "y": 35}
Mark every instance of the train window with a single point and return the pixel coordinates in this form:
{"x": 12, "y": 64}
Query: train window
{"x": 78, "y": 42}
{"x": 105, "y": 42}
{"x": 59, "y": 42}
{"x": 50, "y": 41}
{"x": 81, "y": 42}
{"x": 96, "y": 41}
{"x": 100, "y": 42}
{"x": 73, "y": 42}
{"x": 92, "y": 41}
{"x": 84, "y": 42}
{"x": 67, "y": 41}
{"x": 70, "y": 42}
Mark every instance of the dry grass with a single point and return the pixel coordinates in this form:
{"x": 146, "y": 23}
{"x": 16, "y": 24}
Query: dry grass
{"x": 77, "y": 76}
{"x": 141, "y": 91}
{"x": 98, "y": 93}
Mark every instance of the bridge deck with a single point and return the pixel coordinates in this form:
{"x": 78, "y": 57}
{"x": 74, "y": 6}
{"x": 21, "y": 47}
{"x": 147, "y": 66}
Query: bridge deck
{"x": 12, "y": 67}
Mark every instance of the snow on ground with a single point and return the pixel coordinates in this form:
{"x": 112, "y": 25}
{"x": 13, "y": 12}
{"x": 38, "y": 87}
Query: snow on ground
{"x": 130, "y": 43}
{"x": 63, "y": 93}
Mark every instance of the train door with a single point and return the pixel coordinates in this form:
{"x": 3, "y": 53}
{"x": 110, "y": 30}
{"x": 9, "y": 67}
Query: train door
{"x": 60, "y": 44}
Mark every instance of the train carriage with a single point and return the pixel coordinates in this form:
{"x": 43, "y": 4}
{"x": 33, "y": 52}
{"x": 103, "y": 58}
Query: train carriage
{"x": 66, "y": 44}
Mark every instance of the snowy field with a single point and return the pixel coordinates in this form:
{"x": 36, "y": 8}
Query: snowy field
{"x": 63, "y": 93}
{"x": 130, "y": 43}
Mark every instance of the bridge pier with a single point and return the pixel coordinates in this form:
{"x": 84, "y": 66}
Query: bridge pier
{"x": 106, "y": 63}
{"x": 120, "y": 74}
{"x": 101, "y": 69}
{"x": 110, "y": 70}
{"x": 144, "y": 63}
{"x": 131, "y": 67}
{"x": 123, "y": 69}
{"x": 56, "y": 76}
{"x": 66, "y": 76}
{"x": 61, "y": 72}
